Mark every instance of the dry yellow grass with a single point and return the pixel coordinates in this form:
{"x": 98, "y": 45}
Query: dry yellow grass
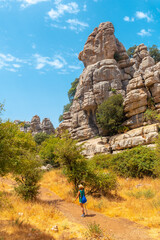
{"x": 138, "y": 199}
{"x": 34, "y": 217}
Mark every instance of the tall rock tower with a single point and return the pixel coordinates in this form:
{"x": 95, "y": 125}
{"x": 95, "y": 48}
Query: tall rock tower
{"x": 108, "y": 69}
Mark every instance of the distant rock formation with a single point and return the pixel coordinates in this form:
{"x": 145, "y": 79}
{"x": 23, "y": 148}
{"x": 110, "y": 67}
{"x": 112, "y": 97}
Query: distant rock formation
{"x": 35, "y": 126}
{"x": 108, "y": 68}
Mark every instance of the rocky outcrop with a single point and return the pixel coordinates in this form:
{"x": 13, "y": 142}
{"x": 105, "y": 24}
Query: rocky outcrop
{"x": 46, "y": 126}
{"x": 109, "y": 69}
{"x": 35, "y": 126}
{"x": 139, "y": 136}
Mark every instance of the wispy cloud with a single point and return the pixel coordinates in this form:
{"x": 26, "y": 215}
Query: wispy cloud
{"x": 142, "y": 15}
{"x": 61, "y": 9}
{"x": 26, "y": 3}
{"x": 76, "y": 25}
{"x": 74, "y": 67}
{"x": 56, "y": 62}
{"x": 85, "y": 7}
{"x": 9, "y": 62}
{"x": 128, "y": 19}
{"x": 138, "y": 16}
{"x": 144, "y": 33}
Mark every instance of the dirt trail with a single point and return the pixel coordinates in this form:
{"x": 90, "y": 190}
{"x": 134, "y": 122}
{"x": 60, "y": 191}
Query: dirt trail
{"x": 119, "y": 228}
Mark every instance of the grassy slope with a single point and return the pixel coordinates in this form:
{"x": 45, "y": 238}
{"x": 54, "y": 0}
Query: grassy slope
{"x": 21, "y": 220}
{"x": 137, "y": 200}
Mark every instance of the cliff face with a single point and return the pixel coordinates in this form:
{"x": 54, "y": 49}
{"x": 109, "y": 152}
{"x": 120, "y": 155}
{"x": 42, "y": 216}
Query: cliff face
{"x": 108, "y": 67}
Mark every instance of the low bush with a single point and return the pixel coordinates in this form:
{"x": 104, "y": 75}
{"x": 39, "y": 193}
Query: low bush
{"x": 28, "y": 187}
{"x": 110, "y": 114}
{"x": 100, "y": 182}
{"x": 136, "y": 162}
{"x": 100, "y": 161}
{"x": 47, "y": 151}
{"x": 40, "y": 137}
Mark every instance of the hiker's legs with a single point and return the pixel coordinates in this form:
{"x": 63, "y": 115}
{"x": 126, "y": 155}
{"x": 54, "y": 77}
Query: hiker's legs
{"x": 82, "y": 207}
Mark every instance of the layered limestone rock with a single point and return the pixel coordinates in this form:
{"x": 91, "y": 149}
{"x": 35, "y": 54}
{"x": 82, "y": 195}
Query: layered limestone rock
{"x": 139, "y": 136}
{"x": 108, "y": 69}
{"x": 46, "y": 126}
{"x": 35, "y": 126}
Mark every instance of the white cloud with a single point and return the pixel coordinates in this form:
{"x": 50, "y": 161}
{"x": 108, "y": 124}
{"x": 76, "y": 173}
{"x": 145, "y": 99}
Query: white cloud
{"x": 76, "y": 25}
{"x": 142, "y": 15}
{"x": 85, "y": 7}
{"x": 144, "y": 33}
{"x": 26, "y": 3}
{"x": 9, "y": 62}
{"x": 15, "y": 65}
{"x": 74, "y": 67}
{"x": 57, "y": 62}
{"x": 128, "y": 19}
{"x": 34, "y": 46}
{"x": 61, "y": 9}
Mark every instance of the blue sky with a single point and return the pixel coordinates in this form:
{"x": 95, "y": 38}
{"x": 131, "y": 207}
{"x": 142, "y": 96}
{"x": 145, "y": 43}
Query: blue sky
{"x": 40, "y": 41}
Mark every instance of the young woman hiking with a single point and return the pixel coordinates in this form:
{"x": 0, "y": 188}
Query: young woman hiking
{"x": 80, "y": 194}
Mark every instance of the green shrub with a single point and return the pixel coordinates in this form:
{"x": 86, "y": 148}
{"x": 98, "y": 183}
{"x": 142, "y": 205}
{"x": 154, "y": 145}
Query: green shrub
{"x": 137, "y": 162}
{"x": 110, "y": 114}
{"x": 100, "y": 182}
{"x": 28, "y": 187}
{"x": 100, "y": 160}
{"x": 47, "y": 151}
{"x": 40, "y": 137}
{"x": 79, "y": 170}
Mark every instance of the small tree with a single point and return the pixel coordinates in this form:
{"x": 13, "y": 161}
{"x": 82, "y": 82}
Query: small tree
{"x": 155, "y": 53}
{"x": 131, "y": 50}
{"x": 70, "y": 157}
{"x": 71, "y": 94}
{"x": 17, "y": 155}
{"x": 48, "y": 149}
{"x": 28, "y": 174}
{"x": 72, "y": 90}
{"x": 110, "y": 114}
{"x": 40, "y": 137}
{"x": 79, "y": 170}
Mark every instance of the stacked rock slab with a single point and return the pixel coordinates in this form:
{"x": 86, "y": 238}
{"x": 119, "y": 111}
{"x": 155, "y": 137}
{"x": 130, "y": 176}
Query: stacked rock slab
{"x": 109, "y": 69}
{"x": 143, "y": 87}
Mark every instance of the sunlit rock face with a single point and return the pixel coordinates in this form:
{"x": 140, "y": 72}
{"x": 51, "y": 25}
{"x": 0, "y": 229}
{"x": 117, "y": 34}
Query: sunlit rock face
{"x": 46, "y": 126}
{"x": 107, "y": 68}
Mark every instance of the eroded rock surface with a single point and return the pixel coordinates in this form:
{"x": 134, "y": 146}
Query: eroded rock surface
{"x": 35, "y": 126}
{"x": 109, "y": 69}
{"x": 140, "y": 136}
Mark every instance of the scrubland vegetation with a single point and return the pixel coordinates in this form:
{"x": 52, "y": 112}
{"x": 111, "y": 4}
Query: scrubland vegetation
{"x": 123, "y": 185}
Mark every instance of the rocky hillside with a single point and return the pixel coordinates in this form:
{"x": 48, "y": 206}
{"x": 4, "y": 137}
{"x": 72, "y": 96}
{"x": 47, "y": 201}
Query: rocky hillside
{"x": 108, "y": 68}
{"x": 35, "y": 126}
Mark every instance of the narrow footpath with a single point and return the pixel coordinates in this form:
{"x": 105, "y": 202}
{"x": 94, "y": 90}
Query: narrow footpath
{"x": 118, "y": 228}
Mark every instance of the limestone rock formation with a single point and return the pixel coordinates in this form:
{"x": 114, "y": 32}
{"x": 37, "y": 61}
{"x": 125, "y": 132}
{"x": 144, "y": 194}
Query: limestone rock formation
{"x": 35, "y": 126}
{"x": 108, "y": 68}
{"x": 46, "y": 126}
{"x": 139, "y": 136}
